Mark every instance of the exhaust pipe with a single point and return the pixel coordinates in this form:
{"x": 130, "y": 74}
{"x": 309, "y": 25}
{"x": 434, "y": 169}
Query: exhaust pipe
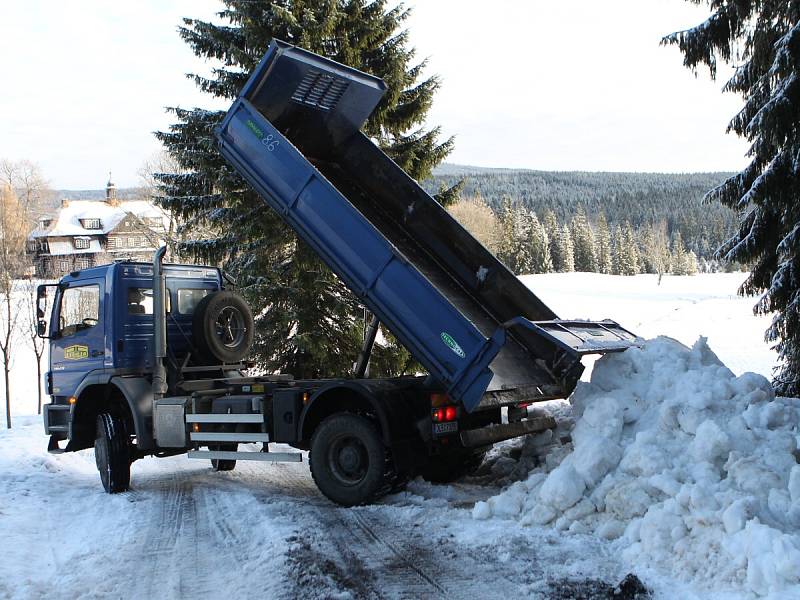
{"x": 159, "y": 325}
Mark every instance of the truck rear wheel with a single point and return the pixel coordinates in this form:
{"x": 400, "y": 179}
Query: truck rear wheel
{"x": 222, "y": 327}
{"x": 112, "y": 453}
{"x": 348, "y": 459}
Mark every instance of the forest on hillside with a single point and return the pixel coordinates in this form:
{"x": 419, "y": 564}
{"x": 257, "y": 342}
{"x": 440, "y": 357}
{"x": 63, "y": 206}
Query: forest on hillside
{"x": 658, "y": 203}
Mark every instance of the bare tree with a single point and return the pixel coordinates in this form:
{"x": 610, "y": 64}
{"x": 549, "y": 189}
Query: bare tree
{"x": 32, "y": 189}
{"x": 13, "y": 234}
{"x": 161, "y": 162}
{"x": 30, "y": 324}
{"x": 24, "y": 193}
{"x": 477, "y": 218}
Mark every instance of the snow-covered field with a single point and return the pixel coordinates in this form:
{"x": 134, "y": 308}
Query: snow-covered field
{"x": 710, "y": 481}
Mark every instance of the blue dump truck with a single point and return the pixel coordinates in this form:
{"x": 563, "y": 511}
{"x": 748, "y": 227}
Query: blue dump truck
{"x": 151, "y": 359}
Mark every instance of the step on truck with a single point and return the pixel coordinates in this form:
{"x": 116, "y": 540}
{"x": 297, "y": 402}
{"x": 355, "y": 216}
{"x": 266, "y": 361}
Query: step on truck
{"x": 151, "y": 359}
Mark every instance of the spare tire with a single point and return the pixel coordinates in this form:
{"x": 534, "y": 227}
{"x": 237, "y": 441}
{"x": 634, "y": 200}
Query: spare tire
{"x": 222, "y": 327}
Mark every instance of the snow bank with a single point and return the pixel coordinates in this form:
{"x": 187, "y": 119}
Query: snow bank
{"x": 690, "y": 468}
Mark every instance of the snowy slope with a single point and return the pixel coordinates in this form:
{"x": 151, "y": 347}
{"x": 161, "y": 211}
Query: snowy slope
{"x": 683, "y": 308}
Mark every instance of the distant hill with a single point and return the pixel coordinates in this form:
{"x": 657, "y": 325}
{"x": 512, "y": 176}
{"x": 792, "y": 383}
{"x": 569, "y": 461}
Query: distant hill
{"x": 122, "y": 194}
{"x": 639, "y": 198}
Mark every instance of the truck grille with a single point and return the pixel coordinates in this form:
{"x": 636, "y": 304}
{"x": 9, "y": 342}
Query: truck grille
{"x": 319, "y": 90}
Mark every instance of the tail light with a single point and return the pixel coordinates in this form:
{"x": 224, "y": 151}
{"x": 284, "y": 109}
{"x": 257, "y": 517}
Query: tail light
{"x": 444, "y": 414}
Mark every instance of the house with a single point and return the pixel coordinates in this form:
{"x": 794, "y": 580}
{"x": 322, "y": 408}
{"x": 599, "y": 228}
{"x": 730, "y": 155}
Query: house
{"x": 85, "y": 233}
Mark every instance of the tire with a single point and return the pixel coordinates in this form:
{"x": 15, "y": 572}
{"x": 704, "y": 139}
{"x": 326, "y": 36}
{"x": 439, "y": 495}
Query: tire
{"x": 222, "y": 327}
{"x": 348, "y": 460}
{"x": 224, "y": 464}
{"x": 112, "y": 453}
{"x": 448, "y": 468}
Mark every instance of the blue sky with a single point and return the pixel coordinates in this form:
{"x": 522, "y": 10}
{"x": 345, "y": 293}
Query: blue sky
{"x": 573, "y": 85}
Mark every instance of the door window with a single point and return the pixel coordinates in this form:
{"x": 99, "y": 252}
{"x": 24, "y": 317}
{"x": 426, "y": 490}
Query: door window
{"x": 188, "y": 299}
{"x": 80, "y": 309}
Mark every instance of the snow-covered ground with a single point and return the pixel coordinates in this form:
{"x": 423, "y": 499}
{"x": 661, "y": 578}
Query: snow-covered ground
{"x": 184, "y": 530}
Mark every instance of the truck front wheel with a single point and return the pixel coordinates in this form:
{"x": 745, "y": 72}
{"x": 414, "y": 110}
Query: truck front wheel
{"x": 112, "y": 453}
{"x": 348, "y": 460}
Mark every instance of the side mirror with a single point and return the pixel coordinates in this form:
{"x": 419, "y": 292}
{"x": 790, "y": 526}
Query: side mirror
{"x": 41, "y": 309}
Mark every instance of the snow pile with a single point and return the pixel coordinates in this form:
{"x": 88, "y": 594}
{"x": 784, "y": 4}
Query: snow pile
{"x": 691, "y": 468}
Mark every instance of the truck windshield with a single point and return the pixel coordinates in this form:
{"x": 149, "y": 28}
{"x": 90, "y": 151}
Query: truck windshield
{"x": 80, "y": 309}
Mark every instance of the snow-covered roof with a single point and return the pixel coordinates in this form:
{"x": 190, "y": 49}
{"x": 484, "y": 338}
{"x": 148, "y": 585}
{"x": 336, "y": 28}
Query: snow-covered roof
{"x": 68, "y": 220}
{"x": 65, "y": 247}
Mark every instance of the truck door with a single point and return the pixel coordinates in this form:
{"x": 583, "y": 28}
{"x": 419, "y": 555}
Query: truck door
{"x": 78, "y": 344}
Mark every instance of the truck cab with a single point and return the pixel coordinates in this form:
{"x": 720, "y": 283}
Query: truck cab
{"x": 101, "y": 330}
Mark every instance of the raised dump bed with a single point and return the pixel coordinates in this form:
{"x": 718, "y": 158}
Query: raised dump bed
{"x": 294, "y": 134}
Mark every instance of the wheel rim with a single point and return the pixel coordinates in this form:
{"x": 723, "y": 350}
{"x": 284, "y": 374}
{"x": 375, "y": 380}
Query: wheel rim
{"x": 230, "y": 327}
{"x": 348, "y": 460}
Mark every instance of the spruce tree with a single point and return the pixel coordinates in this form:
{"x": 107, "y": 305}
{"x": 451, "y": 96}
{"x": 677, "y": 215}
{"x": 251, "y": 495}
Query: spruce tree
{"x": 616, "y": 245}
{"x": 538, "y": 247}
{"x": 550, "y": 224}
{"x": 521, "y": 250}
{"x": 628, "y": 252}
{"x": 583, "y": 240}
{"x": 566, "y": 250}
{"x": 308, "y": 323}
{"x": 679, "y": 258}
{"x": 763, "y": 38}
{"x": 508, "y": 242}
{"x": 603, "y": 248}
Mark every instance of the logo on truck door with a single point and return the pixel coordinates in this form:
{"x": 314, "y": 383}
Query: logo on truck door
{"x": 452, "y": 344}
{"x": 76, "y": 352}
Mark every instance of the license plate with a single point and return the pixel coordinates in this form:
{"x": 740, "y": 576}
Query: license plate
{"x": 440, "y": 428}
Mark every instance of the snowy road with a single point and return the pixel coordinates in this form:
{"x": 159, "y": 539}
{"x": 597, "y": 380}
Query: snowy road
{"x": 185, "y": 531}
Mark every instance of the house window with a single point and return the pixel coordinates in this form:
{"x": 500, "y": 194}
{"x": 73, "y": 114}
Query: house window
{"x": 91, "y": 223}
{"x": 63, "y": 265}
{"x": 131, "y": 241}
{"x": 111, "y": 243}
{"x": 82, "y": 243}
{"x": 32, "y": 245}
{"x": 43, "y": 245}
{"x": 82, "y": 263}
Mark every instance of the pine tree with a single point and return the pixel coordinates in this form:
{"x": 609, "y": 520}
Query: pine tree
{"x": 679, "y": 258}
{"x": 583, "y": 239}
{"x": 507, "y": 242}
{"x": 538, "y": 247}
{"x": 603, "y": 248}
{"x": 691, "y": 263}
{"x": 628, "y": 252}
{"x": 565, "y": 251}
{"x": 616, "y": 244}
{"x": 553, "y": 231}
{"x": 521, "y": 251}
{"x": 308, "y": 323}
{"x": 763, "y": 37}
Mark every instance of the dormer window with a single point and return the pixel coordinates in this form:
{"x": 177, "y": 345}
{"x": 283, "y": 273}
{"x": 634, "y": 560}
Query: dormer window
{"x": 45, "y": 223}
{"x": 90, "y": 223}
{"x": 82, "y": 243}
